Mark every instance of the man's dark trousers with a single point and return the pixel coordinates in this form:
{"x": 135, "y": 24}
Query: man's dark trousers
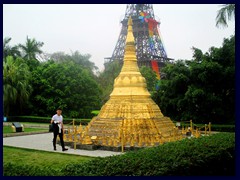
{"x": 55, "y": 133}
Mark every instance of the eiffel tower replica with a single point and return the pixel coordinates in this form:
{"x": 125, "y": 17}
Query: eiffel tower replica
{"x": 149, "y": 46}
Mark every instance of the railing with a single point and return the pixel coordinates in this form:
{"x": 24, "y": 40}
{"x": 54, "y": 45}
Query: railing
{"x": 70, "y": 134}
{"x": 124, "y": 137}
{"x": 195, "y": 129}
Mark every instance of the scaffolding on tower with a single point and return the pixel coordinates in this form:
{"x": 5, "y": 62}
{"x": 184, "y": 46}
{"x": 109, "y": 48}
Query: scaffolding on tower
{"x": 149, "y": 46}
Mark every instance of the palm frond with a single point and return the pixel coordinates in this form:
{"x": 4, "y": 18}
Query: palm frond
{"x": 227, "y": 12}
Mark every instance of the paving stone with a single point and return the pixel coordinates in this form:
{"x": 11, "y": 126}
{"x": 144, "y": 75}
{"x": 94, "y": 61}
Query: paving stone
{"x": 44, "y": 142}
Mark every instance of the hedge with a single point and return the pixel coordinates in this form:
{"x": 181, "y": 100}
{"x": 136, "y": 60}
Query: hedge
{"x": 214, "y": 127}
{"x": 208, "y": 155}
{"x": 13, "y": 169}
{"x": 223, "y": 128}
{"x": 44, "y": 119}
{"x": 213, "y": 155}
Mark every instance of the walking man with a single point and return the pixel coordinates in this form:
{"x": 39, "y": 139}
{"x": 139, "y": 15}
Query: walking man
{"x": 57, "y": 123}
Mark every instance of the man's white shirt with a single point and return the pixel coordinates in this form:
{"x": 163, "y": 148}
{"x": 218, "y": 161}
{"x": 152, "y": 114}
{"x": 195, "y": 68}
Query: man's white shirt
{"x": 58, "y": 119}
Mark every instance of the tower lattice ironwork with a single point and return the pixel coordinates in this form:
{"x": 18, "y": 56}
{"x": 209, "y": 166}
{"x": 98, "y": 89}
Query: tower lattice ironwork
{"x": 148, "y": 43}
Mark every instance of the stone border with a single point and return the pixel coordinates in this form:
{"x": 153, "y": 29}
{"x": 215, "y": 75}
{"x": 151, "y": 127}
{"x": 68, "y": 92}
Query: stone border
{"x": 24, "y": 133}
{"x": 93, "y": 147}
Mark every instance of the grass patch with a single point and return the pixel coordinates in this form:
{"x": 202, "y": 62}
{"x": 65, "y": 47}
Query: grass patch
{"x": 43, "y": 159}
{"x": 8, "y": 129}
{"x": 95, "y": 112}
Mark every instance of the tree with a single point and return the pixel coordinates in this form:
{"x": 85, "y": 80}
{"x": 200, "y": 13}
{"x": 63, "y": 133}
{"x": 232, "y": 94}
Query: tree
{"x": 81, "y": 59}
{"x": 16, "y": 85}
{"x": 106, "y": 79}
{"x": 66, "y": 84}
{"x": 197, "y": 54}
{"x": 59, "y": 56}
{"x": 151, "y": 78}
{"x": 227, "y": 12}
{"x": 202, "y": 89}
{"x": 30, "y": 50}
{"x": 203, "y": 97}
{"x": 8, "y": 50}
{"x": 172, "y": 88}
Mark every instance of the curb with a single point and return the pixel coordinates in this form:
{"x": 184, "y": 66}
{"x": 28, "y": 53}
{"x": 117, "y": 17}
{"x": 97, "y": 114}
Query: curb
{"x": 24, "y": 133}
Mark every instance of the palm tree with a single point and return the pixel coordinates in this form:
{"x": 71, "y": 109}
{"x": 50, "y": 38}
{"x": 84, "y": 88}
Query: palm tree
{"x": 8, "y": 50}
{"x": 227, "y": 12}
{"x": 31, "y": 49}
{"x": 16, "y": 83}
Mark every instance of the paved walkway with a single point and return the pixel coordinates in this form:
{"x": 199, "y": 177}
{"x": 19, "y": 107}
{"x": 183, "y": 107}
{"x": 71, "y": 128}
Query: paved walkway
{"x": 44, "y": 142}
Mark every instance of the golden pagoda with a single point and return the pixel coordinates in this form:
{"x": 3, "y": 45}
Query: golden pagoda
{"x": 130, "y": 117}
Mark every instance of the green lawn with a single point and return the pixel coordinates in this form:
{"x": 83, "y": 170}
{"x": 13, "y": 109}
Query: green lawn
{"x": 95, "y": 112}
{"x": 8, "y": 129}
{"x": 31, "y": 157}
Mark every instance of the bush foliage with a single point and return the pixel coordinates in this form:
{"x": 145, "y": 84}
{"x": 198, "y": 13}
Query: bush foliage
{"x": 214, "y": 155}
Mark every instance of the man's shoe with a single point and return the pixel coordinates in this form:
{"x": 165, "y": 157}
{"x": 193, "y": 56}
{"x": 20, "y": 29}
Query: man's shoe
{"x": 55, "y": 149}
{"x": 64, "y": 149}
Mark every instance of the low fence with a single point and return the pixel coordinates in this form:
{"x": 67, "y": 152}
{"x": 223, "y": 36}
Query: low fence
{"x": 190, "y": 129}
{"x": 75, "y": 133}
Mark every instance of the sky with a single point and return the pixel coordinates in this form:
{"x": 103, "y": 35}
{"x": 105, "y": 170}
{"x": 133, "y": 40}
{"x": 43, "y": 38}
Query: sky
{"x": 94, "y": 28}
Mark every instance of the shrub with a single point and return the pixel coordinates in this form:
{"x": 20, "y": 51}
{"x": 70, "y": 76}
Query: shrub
{"x": 13, "y": 169}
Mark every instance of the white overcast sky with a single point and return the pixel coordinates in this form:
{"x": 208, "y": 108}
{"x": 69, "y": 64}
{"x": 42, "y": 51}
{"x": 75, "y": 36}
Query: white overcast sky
{"x": 94, "y": 29}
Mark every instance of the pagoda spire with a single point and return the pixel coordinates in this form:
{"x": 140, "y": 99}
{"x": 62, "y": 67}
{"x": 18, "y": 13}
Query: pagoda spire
{"x": 130, "y": 75}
